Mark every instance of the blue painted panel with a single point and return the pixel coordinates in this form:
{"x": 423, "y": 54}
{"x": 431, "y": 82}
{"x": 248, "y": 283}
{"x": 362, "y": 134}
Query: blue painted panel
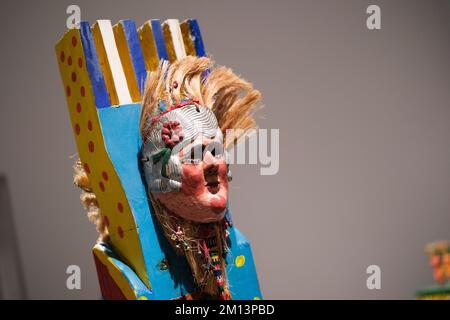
{"x": 197, "y": 37}
{"x": 243, "y": 280}
{"x": 134, "y": 46}
{"x": 120, "y": 127}
{"x": 158, "y": 36}
{"x": 93, "y": 66}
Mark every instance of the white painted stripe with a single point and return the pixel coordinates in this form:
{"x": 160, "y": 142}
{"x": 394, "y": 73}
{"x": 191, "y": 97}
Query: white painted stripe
{"x": 177, "y": 38}
{"x": 120, "y": 81}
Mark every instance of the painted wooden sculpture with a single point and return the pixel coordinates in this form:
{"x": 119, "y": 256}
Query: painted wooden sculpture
{"x": 149, "y": 111}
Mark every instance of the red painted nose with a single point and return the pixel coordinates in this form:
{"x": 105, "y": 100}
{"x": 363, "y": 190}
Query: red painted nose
{"x": 209, "y": 159}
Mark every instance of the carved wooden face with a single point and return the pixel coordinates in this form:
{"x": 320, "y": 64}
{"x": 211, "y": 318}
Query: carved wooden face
{"x": 187, "y": 171}
{"x": 204, "y": 183}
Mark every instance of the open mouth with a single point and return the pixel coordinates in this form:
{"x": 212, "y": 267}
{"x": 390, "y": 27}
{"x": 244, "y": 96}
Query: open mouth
{"x": 212, "y": 180}
{"x": 213, "y": 186}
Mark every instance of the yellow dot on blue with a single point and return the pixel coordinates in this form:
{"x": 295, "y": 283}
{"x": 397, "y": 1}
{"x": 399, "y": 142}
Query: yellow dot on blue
{"x": 240, "y": 261}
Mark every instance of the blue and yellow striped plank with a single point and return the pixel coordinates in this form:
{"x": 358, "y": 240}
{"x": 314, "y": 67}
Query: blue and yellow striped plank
{"x": 127, "y": 40}
{"x": 174, "y": 40}
{"x": 187, "y": 39}
{"x": 159, "y": 39}
{"x": 152, "y": 44}
{"x": 93, "y": 66}
{"x": 196, "y": 37}
{"x": 109, "y": 58}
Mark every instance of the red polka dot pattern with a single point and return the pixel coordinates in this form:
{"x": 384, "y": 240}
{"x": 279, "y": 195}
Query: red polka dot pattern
{"x": 86, "y": 128}
{"x": 120, "y": 231}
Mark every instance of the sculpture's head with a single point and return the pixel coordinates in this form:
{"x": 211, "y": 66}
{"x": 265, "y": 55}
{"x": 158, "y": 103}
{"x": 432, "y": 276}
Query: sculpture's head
{"x": 186, "y": 110}
{"x": 185, "y": 162}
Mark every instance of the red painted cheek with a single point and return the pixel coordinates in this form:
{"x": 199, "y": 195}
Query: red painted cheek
{"x": 192, "y": 180}
{"x": 223, "y": 168}
{"x": 218, "y": 204}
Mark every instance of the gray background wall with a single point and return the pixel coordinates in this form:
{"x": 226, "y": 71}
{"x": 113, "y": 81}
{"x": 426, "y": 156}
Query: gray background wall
{"x": 364, "y": 121}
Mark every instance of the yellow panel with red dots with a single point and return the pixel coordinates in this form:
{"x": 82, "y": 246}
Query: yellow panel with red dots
{"x": 104, "y": 180}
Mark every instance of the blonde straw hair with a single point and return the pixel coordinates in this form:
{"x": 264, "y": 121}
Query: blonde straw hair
{"x": 232, "y": 99}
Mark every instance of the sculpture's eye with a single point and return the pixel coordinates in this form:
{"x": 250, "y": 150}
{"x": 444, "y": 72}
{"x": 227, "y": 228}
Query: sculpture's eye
{"x": 195, "y": 154}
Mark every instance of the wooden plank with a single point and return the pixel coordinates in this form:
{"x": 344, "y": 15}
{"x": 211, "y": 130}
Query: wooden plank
{"x": 158, "y": 36}
{"x": 174, "y": 39}
{"x": 93, "y": 66}
{"x": 169, "y": 44}
{"x": 135, "y": 49}
{"x": 196, "y": 37}
{"x": 109, "y": 58}
{"x": 153, "y": 44}
{"x": 187, "y": 39}
{"x": 122, "y": 37}
{"x": 159, "y": 39}
{"x": 148, "y": 47}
